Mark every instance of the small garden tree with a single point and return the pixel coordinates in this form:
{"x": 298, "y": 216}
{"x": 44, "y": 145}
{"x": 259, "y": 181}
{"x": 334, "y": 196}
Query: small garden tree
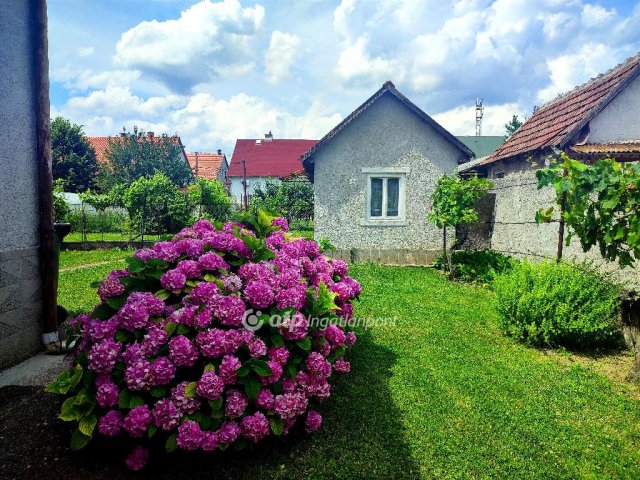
{"x": 454, "y": 201}
{"x": 599, "y": 203}
{"x": 292, "y": 199}
{"x": 514, "y": 124}
{"x": 99, "y": 201}
{"x": 210, "y": 199}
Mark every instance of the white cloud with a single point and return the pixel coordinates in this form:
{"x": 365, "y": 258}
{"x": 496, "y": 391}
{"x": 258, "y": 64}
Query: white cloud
{"x": 461, "y": 120}
{"x": 596, "y": 15}
{"x": 356, "y": 66}
{"x": 209, "y": 40}
{"x": 282, "y": 53}
{"x": 567, "y": 71}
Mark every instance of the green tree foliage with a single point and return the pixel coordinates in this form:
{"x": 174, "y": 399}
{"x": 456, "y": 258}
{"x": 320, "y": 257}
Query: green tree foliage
{"x": 156, "y": 205}
{"x": 210, "y": 199}
{"x": 453, "y": 203}
{"x": 601, "y": 204}
{"x": 290, "y": 199}
{"x": 133, "y": 155}
{"x": 61, "y": 207}
{"x": 73, "y": 159}
{"x": 513, "y": 125}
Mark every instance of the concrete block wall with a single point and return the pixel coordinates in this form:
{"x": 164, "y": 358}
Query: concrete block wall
{"x": 20, "y": 281}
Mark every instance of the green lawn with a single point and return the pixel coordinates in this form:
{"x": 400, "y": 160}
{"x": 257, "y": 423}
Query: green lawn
{"x": 443, "y": 394}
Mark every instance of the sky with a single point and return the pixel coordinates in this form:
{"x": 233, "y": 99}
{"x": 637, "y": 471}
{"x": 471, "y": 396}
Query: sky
{"x": 214, "y": 71}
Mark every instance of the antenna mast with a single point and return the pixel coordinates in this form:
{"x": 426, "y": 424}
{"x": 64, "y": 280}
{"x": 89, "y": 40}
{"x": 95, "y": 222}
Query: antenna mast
{"x": 479, "y": 113}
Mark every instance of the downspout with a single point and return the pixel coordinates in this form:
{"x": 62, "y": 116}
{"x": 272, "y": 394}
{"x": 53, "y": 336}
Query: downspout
{"x": 45, "y": 179}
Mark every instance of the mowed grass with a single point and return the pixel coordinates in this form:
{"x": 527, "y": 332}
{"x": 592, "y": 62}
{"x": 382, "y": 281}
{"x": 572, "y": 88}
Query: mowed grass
{"x": 442, "y": 394}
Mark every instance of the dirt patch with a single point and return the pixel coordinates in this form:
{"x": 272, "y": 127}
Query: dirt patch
{"x": 613, "y": 364}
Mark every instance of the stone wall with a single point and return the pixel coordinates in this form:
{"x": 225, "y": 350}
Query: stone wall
{"x": 387, "y": 136}
{"x": 516, "y": 233}
{"x": 20, "y": 282}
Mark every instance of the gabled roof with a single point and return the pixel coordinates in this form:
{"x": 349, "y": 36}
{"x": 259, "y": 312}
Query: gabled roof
{"x": 277, "y": 158}
{"x": 387, "y": 87}
{"x": 481, "y": 146}
{"x": 101, "y": 144}
{"x": 208, "y": 164}
{"x": 558, "y": 122}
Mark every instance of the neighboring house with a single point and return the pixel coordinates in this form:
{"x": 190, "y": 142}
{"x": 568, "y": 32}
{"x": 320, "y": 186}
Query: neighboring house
{"x": 27, "y": 295}
{"x": 263, "y": 159}
{"x": 595, "y": 120}
{"x": 210, "y": 166}
{"x": 482, "y": 146}
{"x": 101, "y": 144}
{"x": 374, "y": 174}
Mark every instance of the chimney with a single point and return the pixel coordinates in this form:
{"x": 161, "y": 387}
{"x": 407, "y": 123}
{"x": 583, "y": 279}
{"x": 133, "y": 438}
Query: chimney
{"x": 219, "y": 152}
{"x": 268, "y": 136}
{"x": 149, "y": 135}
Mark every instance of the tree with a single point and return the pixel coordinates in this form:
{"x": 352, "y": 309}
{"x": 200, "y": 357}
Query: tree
{"x": 291, "y": 199}
{"x": 133, "y": 155}
{"x": 73, "y": 159}
{"x": 454, "y": 201}
{"x": 512, "y": 125}
{"x": 210, "y": 199}
{"x": 599, "y": 203}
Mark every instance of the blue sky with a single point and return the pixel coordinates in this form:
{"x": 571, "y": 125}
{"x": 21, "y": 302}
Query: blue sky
{"x": 216, "y": 71}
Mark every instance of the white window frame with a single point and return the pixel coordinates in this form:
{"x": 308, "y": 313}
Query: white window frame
{"x": 386, "y": 173}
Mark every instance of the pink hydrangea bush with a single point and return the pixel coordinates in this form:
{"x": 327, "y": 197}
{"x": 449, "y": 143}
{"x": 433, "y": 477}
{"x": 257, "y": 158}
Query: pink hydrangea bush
{"x": 167, "y": 357}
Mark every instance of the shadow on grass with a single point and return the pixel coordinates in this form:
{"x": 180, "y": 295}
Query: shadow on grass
{"x": 362, "y": 437}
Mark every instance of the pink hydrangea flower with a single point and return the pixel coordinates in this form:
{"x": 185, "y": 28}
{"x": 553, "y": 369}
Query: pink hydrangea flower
{"x": 335, "y": 335}
{"x": 290, "y": 405}
{"x": 276, "y": 370}
{"x": 228, "y": 368}
{"x": 257, "y": 348}
{"x": 107, "y": 394}
{"x": 166, "y": 415}
{"x": 265, "y": 399}
{"x": 255, "y": 427}
{"x": 212, "y": 261}
{"x": 137, "y": 420}
{"x": 182, "y": 352}
{"x": 351, "y": 338}
{"x": 189, "y": 268}
{"x": 209, "y": 441}
{"x": 259, "y": 294}
{"x": 185, "y": 404}
{"x": 279, "y": 354}
{"x": 313, "y": 421}
{"x": 173, "y": 280}
{"x": 282, "y": 223}
{"x": 229, "y": 310}
{"x": 341, "y": 366}
{"x": 104, "y": 355}
{"x": 228, "y": 433}
{"x": 162, "y": 371}
{"x": 138, "y": 458}
{"x": 318, "y": 365}
{"x": 295, "y": 327}
{"x": 236, "y": 403}
{"x": 189, "y": 435}
{"x": 110, "y": 423}
{"x": 210, "y": 386}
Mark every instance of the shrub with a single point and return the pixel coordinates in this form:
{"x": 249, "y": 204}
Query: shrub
{"x": 477, "y": 265}
{"x": 197, "y": 365}
{"x": 109, "y": 221}
{"x": 292, "y": 199}
{"x": 210, "y": 199}
{"x": 557, "y": 304}
{"x": 61, "y": 207}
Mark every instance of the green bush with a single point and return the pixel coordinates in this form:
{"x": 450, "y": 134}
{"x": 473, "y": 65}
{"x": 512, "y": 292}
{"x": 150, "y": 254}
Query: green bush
{"x": 558, "y": 304}
{"x": 478, "y": 265}
{"x": 109, "y": 221}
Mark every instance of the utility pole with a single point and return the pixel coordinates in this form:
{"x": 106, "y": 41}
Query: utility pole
{"x": 479, "y": 115}
{"x": 245, "y": 200}
{"x": 196, "y": 165}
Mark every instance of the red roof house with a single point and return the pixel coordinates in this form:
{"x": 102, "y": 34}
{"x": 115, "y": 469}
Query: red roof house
{"x": 588, "y": 121}
{"x": 211, "y": 166}
{"x": 264, "y": 159}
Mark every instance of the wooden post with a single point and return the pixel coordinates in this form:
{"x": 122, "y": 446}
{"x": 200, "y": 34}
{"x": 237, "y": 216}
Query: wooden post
{"x": 45, "y": 175}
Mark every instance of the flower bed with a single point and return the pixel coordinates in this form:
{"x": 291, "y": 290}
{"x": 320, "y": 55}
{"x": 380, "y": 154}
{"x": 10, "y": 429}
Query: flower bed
{"x": 222, "y": 336}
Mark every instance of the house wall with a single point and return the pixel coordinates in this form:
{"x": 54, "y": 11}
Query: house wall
{"x": 386, "y": 135}
{"x": 618, "y": 121}
{"x": 252, "y": 184}
{"x": 516, "y": 233}
{"x": 20, "y": 281}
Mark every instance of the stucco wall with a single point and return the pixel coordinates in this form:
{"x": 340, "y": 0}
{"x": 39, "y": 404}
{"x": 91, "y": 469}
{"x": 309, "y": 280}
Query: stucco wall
{"x": 515, "y": 231}
{"x": 618, "y": 121}
{"x": 20, "y": 287}
{"x": 386, "y": 135}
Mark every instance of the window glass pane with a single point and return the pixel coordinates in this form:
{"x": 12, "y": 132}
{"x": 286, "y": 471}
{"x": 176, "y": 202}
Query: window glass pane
{"x": 376, "y": 197}
{"x": 393, "y": 196}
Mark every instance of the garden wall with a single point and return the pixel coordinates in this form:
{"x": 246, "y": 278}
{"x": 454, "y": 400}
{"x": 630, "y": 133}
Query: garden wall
{"x": 516, "y": 233}
{"x": 20, "y": 280}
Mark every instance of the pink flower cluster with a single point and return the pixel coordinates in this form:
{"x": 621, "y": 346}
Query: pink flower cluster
{"x": 175, "y": 359}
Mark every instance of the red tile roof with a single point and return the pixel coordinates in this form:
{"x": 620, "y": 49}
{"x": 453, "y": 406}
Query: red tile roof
{"x": 100, "y": 144}
{"x": 268, "y": 158}
{"x": 208, "y": 164}
{"x": 557, "y": 123}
